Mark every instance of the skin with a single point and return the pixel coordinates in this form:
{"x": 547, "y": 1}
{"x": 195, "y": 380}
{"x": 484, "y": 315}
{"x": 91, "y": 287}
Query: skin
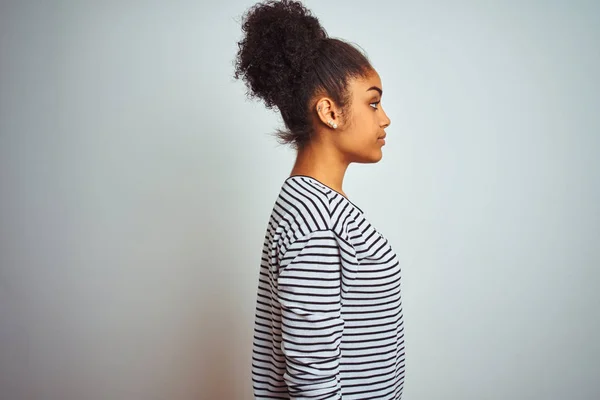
{"x": 356, "y": 139}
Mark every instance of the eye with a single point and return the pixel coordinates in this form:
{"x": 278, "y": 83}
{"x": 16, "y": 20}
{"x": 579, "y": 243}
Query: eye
{"x": 376, "y": 103}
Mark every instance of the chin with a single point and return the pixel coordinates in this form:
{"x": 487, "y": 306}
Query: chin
{"x": 379, "y": 157}
{"x": 372, "y": 158}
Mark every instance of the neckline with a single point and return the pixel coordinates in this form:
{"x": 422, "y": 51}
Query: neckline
{"x": 328, "y": 187}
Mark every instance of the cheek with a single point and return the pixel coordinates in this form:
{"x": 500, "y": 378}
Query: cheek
{"x": 365, "y": 122}
{"x": 368, "y": 127}
{"x": 360, "y": 137}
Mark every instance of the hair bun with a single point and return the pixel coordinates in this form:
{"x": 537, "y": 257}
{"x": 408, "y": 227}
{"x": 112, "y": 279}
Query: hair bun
{"x": 278, "y": 50}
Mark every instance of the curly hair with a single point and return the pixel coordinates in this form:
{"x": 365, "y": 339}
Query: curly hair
{"x": 286, "y": 58}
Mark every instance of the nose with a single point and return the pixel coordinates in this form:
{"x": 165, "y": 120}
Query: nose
{"x": 385, "y": 121}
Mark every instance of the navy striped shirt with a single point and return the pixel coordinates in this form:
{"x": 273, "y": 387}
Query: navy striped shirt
{"x": 328, "y": 319}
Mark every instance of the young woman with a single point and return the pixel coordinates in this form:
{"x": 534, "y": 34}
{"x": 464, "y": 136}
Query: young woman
{"x": 328, "y": 319}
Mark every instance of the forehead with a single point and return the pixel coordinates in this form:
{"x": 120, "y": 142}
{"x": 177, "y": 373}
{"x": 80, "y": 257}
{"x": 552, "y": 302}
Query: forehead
{"x": 361, "y": 85}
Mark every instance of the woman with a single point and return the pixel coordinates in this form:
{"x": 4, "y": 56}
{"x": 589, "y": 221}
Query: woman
{"x": 329, "y": 312}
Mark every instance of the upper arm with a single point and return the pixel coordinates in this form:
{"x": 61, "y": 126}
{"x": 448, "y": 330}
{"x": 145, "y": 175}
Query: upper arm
{"x": 309, "y": 292}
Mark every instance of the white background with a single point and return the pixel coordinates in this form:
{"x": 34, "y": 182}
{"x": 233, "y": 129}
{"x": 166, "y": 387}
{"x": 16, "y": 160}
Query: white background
{"x": 136, "y": 182}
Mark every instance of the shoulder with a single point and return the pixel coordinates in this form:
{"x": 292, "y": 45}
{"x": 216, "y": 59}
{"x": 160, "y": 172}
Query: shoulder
{"x": 306, "y": 204}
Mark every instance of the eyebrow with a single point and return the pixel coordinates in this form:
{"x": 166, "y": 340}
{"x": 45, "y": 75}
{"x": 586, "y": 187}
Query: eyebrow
{"x": 376, "y": 88}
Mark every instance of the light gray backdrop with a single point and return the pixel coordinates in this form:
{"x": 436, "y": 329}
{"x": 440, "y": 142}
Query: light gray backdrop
{"x": 136, "y": 182}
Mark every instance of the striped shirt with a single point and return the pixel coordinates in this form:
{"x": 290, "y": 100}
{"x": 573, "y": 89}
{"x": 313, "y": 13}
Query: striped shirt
{"x": 328, "y": 319}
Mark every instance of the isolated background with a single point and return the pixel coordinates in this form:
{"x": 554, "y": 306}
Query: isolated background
{"x": 136, "y": 182}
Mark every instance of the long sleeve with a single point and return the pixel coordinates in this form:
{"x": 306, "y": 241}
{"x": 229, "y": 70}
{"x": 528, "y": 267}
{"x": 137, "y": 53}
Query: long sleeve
{"x": 309, "y": 291}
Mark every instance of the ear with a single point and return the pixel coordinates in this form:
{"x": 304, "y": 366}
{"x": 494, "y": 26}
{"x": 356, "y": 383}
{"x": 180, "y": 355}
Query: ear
{"x": 327, "y": 111}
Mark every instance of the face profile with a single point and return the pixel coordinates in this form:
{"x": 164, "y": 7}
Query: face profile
{"x": 360, "y": 133}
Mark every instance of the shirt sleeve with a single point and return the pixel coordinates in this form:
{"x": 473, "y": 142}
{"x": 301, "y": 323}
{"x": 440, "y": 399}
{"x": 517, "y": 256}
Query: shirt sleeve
{"x": 309, "y": 291}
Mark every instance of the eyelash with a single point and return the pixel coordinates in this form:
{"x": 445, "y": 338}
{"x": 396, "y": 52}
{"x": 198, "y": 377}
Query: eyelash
{"x": 375, "y": 108}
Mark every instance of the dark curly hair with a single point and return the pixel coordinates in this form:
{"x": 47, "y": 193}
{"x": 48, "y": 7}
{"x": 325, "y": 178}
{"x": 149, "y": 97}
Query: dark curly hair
{"x": 286, "y": 58}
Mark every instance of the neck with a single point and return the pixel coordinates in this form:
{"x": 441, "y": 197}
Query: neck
{"x": 322, "y": 163}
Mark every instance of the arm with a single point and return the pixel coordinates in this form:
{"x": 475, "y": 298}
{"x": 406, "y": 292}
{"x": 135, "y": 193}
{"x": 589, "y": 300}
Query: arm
{"x": 311, "y": 322}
